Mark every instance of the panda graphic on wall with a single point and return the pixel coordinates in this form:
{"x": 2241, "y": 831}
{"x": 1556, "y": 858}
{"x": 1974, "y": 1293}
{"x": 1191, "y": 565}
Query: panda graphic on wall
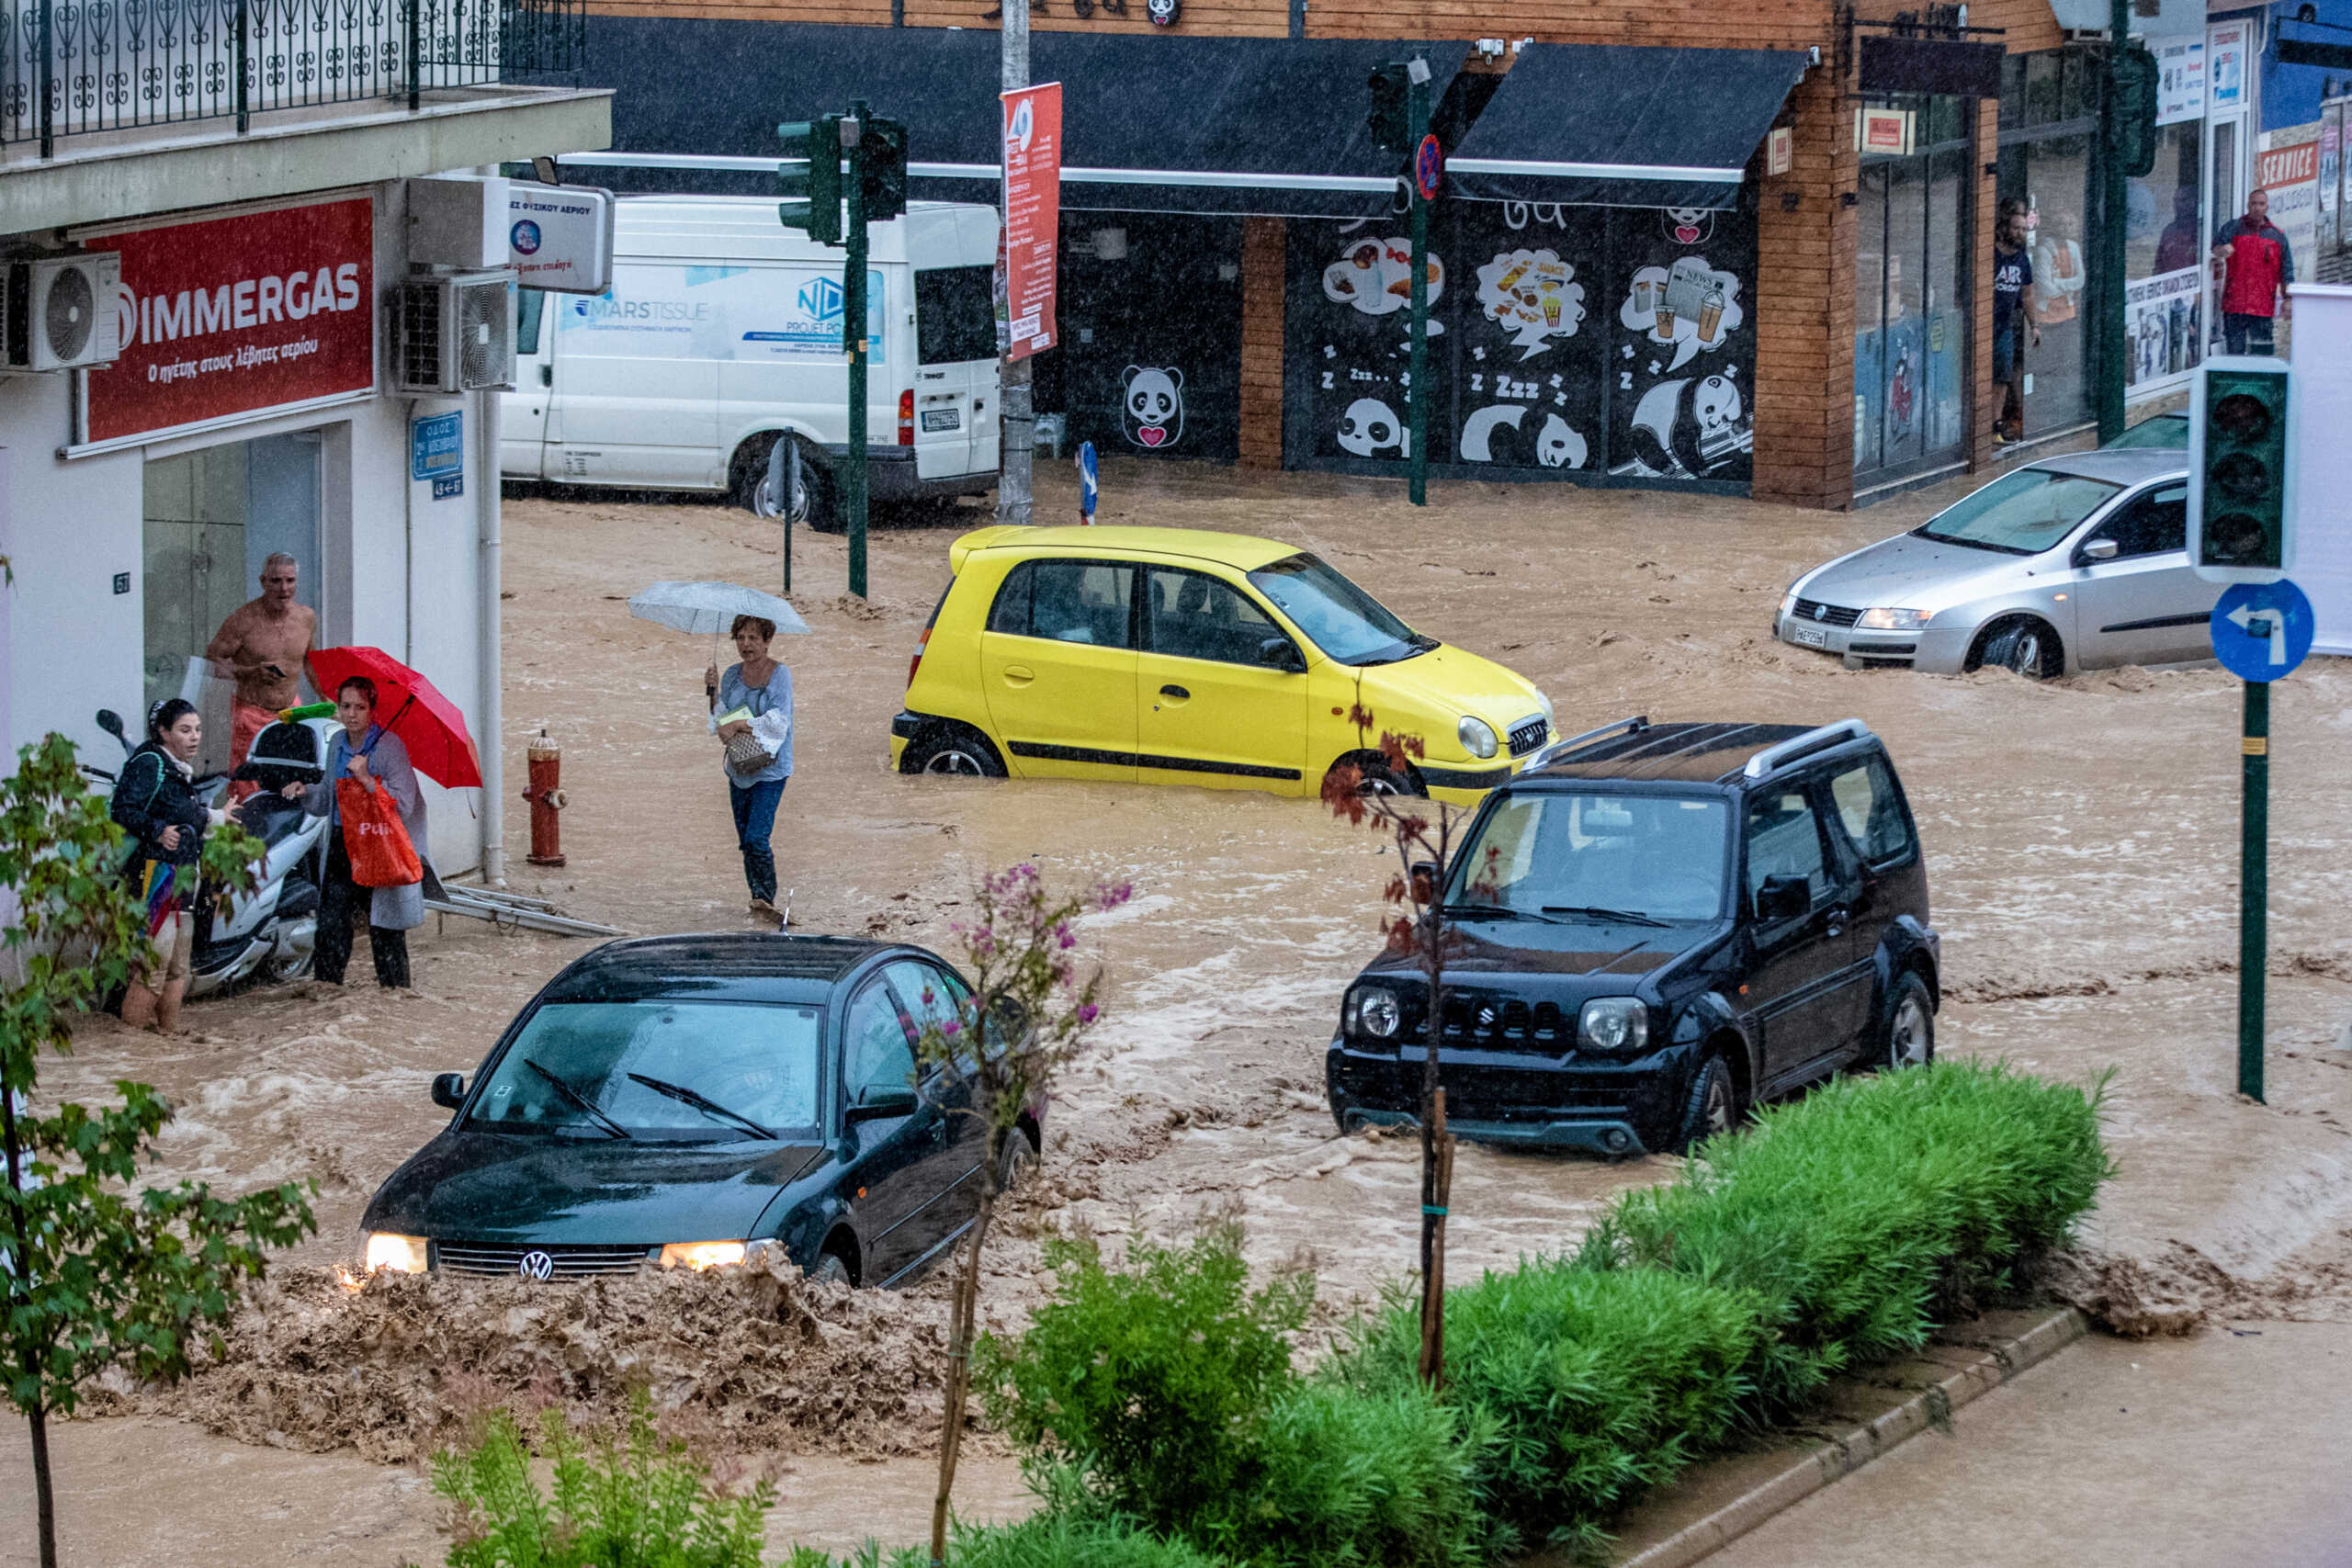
{"x": 1687, "y": 429}
{"x": 1371, "y": 429}
{"x": 1151, "y": 406}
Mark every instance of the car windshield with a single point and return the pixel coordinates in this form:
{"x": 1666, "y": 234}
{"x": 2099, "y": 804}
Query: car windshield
{"x": 1348, "y": 625}
{"x": 2024, "y": 514}
{"x": 657, "y": 1068}
{"x": 1587, "y": 856}
{"x": 2164, "y": 430}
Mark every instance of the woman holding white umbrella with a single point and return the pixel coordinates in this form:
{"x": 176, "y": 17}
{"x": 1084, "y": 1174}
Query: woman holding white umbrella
{"x": 751, "y": 709}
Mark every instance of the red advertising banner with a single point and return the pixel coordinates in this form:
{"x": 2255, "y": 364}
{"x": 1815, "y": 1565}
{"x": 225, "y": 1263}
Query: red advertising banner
{"x": 1033, "y": 214}
{"x": 236, "y": 315}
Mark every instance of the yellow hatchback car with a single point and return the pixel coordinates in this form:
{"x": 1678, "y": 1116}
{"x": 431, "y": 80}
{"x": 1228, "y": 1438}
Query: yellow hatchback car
{"x": 1179, "y": 656}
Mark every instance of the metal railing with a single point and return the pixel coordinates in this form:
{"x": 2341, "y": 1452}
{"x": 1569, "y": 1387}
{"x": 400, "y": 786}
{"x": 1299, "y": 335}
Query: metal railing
{"x": 73, "y": 67}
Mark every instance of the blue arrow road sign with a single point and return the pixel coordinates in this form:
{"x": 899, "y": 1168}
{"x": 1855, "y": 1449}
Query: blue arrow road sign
{"x": 1088, "y": 489}
{"x": 2261, "y": 630}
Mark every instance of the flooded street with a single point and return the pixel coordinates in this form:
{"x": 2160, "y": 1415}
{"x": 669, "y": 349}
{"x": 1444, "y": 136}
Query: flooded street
{"x": 2082, "y": 840}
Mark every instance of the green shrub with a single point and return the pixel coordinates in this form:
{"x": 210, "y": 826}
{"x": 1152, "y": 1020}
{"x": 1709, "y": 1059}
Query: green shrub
{"x": 1594, "y": 1386}
{"x": 1042, "y": 1540}
{"x": 1150, "y": 1381}
{"x": 633, "y": 1502}
{"x": 1340, "y": 1477}
{"x": 1861, "y": 1209}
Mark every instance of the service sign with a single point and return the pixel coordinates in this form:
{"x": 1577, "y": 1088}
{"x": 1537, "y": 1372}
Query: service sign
{"x": 227, "y": 318}
{"x": 560, "y": 238}
{"x": 1033, "y": 208}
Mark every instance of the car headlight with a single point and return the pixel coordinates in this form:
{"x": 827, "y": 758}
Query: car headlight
{"x": 1544, "y": 703}
{"x": 1886, "y": 620}
{"x": 1614, "y": 1024}
{"x": 701, "y": 1255}
{"x": 400, "y": 1253}
{"x": 1478, "y": 737}
{"x": 1374, "y": 1010}
{"x": 1788, "y": 603}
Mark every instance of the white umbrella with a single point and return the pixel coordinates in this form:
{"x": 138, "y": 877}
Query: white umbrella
{"x": 709, "y": 608}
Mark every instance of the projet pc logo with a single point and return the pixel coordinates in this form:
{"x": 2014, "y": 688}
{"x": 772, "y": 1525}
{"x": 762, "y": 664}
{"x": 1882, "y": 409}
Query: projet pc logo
{"x": 821, "y": 300}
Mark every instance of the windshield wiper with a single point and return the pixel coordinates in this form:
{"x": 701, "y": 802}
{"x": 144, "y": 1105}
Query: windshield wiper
{"x": 1498, "y": 912}
{"x": 1923, "y": 533}
{"x": 703, "y": 1103}
{"x": 1595, "y": 912}
{"x": 578, "y": 1099}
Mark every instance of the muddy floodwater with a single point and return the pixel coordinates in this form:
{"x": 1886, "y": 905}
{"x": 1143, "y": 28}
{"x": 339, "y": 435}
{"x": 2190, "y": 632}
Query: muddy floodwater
{"x": 2082, "y": 838}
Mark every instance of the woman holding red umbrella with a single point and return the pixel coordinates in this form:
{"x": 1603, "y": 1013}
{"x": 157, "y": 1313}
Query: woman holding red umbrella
{"x": 378, "y": 760}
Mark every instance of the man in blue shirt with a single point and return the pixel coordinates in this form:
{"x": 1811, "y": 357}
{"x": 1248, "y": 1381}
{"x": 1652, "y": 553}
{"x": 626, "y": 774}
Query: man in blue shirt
{"x": 2012, "y": 276}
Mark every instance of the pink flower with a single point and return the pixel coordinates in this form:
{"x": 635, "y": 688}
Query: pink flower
{"x": 1088, "y": 1012}
{"x": 1063, "y": 935}
{"x": 951, "y": 1027}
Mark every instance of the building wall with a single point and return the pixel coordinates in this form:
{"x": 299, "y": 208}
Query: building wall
{"x": 1804, "y": 307}
{"x": 401, "y": 571}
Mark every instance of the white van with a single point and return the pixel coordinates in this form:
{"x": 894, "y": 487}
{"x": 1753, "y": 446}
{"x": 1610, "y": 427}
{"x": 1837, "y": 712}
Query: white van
{"x": 722, "y": 331}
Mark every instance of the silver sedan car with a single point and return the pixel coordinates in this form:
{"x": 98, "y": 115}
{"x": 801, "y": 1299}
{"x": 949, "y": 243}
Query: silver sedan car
{"x": 2071, "y": 563}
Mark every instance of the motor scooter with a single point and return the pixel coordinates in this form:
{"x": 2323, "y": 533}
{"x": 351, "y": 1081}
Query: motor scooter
{"x": 272, "y": 930}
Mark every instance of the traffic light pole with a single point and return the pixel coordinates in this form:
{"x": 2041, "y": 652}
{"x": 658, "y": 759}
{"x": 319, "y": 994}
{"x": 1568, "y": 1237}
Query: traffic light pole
{"x": 853, "y": 487}
{"x": 2254, "y": 886}
{"x": 1416, "y": 400}
{"x": 2113, "y": 205}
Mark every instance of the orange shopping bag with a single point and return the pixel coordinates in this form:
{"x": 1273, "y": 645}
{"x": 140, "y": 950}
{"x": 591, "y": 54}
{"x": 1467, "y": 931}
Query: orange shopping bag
{"x": 380, "y": 855}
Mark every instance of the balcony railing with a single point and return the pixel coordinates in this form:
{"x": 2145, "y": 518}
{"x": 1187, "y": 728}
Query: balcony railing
{"x": 73, "y": 67}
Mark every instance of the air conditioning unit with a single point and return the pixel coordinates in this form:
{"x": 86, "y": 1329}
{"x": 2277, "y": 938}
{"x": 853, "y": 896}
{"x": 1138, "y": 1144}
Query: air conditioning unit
{"x": 454, "y": 333}
{"x": 61, "y": 311}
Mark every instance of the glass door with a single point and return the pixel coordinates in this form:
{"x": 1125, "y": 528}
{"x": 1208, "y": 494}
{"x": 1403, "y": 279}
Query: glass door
{"x": 2225, "y": 200}
{"x": 1911, "y": 286}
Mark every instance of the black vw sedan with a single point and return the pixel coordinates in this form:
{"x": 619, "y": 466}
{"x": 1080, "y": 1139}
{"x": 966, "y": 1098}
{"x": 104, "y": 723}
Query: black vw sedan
{"x": 696, "y": 1101}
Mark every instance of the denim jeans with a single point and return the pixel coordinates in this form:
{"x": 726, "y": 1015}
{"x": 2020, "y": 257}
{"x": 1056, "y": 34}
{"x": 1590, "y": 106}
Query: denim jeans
{"x": 755, "y": 820}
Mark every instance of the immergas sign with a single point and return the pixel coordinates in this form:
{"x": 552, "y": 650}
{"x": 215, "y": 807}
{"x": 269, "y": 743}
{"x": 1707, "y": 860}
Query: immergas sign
{"x": 560, "y": 238}
{"x": 230, "y": 318}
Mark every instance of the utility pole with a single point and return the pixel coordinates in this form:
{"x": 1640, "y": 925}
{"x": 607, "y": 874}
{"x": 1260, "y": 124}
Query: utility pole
{"x": 1422, "y": 186}
{"x": 1016, "y": 412}
{"x": 853, "y": 487}
{"x": 2113, "y": 203}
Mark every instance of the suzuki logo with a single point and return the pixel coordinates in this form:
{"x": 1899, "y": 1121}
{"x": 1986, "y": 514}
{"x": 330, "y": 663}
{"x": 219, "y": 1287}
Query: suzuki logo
{"x": 1485, "y": 1018}
{"x": 821, "y": 299}
{"x": 536, "y": 1265}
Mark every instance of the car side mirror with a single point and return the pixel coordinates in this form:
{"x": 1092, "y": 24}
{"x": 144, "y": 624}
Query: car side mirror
{"x": 450, "y": 1089}
{"x": 875, "y": 1104}
{"x": 1276, "y": 653}
{"x": 2101, "y": 549}
{"x": 1426, "y": 875}
{"x": 1783, "y": 899}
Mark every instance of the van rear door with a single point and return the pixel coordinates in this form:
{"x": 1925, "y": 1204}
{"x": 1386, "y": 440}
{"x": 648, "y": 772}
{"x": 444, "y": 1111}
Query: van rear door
{"x": 954, "y": 381}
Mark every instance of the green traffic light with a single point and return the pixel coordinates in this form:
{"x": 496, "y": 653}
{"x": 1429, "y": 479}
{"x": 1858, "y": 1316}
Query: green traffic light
{"x": 2240, "y": 502}
{"x": 812, "y": 191}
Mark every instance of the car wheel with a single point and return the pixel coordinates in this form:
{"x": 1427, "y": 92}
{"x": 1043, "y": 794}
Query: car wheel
{"x": 1910, "y": 1040}
{"x": 1374, "y": 776}
{"x": 1017, "y": 1164}
{"x": 831, "y": 1268}
{"x": 1712, "y": 1109}
{"x": 2023, "y": 647}
{"x": 958, "y": 753}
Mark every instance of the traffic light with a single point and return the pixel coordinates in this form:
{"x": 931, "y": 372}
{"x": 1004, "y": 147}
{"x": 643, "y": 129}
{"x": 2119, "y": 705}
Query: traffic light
{"x": 812, "y": 189}
{"x": 2133, "y": 78}
{"x": 2240, "y": 471}
{"x": 1391, "y": 123}
{"x": 882, "y": 163}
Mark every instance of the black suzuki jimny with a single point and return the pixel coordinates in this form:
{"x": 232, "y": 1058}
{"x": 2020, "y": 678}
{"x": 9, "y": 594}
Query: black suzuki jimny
{"x": 1658, "y": 926}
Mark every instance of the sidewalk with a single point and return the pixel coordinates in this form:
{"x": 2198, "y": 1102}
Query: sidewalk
{"x": 2226, "y": 1449}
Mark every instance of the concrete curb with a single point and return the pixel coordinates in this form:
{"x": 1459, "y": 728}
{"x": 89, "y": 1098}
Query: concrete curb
{"x": 1857, "y": 1447}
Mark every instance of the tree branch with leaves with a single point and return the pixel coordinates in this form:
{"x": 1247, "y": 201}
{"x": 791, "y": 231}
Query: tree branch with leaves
{"x": 92, "y": 1274}
{"x": 1000, "y": 1047}
{"x": 1423, "y": 834}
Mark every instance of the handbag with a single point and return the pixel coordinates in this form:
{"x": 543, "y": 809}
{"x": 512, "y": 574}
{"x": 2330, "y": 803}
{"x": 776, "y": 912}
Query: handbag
{"x": 374, "y": 838}
{"x": 746, "y": 757}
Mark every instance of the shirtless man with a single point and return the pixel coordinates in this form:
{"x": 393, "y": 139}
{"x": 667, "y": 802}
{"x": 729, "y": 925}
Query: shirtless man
{"x": 261, "y": 647}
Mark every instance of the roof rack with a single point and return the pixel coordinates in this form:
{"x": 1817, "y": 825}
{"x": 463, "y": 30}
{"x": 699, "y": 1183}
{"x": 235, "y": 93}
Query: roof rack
{"x": 1804, "y": 745}
{"x": 1543, "y": 754}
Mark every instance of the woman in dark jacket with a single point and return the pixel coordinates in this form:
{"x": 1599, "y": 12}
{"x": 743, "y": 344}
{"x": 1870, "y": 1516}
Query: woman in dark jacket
{"x": 156, "y": 802}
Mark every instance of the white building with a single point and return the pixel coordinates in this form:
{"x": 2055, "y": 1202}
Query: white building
{"x": 254, "y": 405}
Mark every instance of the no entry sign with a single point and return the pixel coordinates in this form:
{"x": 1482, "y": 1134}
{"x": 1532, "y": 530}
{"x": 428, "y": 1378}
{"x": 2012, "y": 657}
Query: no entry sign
{"x": 1033, "y": 214}
{"x": 234, "y": 316}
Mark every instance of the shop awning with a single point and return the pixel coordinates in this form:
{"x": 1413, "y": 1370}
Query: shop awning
{"x": 1150, "y": 122}
{"x": 1611, "y": 125}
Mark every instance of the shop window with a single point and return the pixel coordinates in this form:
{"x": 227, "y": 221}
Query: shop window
{"x": 530, "y": 309}
{"x": 2041, "y": 90}
{"x": 1912, "y": 304}
{"x": 2164, "y": 248}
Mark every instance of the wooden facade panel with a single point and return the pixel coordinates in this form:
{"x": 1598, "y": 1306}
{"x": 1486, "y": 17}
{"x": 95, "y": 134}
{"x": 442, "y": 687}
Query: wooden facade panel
{"x": 1263, "y": 245}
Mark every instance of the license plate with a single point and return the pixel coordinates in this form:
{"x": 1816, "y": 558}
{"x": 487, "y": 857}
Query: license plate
{"x": 943, "y": 419}
{"x": 1809, "y": 637}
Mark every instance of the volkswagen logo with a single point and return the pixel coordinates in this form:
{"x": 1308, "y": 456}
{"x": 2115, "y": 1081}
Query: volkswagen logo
{"x": 535, "y": 1264}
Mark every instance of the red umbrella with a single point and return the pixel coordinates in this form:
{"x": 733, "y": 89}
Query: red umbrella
{"x": 428, "y": 724}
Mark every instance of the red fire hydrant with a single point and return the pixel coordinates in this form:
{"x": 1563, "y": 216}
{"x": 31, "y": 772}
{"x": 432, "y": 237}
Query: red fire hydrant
{"x": 546, "y": 799}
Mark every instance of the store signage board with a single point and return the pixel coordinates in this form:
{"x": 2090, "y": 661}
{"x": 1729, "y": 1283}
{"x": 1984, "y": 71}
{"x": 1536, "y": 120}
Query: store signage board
{"x": 227, "y": 319}
{"x": 1032, "y": 203}
{"x": 2181, "y": 77}
{"x": 2288, "y": 171}
{"x": 1886, "y": 131}
{"x": 436, "y": 453}
{"x": 2225, "y": 63}
{"x": 2322, "y": 388}
{"x": 560, "y": 238}
{"x": 1780, "y": 144}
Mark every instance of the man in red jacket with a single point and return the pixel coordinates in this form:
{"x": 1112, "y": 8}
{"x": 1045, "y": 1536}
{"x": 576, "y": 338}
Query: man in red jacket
{"x": 2256, "y": 266}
